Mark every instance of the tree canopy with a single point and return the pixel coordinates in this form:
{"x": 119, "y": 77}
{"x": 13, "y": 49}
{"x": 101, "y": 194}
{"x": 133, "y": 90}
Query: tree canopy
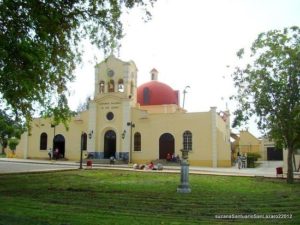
{"x": 39, "y": 48}
{"x": 269, "y": 87}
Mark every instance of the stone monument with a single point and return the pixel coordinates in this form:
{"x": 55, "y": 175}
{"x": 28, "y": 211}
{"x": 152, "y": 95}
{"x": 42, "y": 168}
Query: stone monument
{"x": 184, "y": 186}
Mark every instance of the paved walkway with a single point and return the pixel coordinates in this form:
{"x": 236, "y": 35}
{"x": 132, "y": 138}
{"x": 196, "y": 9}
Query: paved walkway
{"x": 266, "y": 168}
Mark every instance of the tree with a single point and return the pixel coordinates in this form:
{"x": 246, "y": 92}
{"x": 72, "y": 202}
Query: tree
{"x": 8, "y": 128}
{"x": 39, "y": 48}
{"x": 269, "y": 87}
{"x": 12, "y": 143}
{"x": 83, "y": 106}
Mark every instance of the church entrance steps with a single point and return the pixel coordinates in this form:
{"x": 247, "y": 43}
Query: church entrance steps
{"x": 106, "y": 161}
{"x": 166, "y": 163}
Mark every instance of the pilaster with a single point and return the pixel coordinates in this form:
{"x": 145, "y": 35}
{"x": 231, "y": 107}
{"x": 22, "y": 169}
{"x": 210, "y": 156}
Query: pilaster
{"x": 214, "y": 153}
{"x": 91, "y": 145}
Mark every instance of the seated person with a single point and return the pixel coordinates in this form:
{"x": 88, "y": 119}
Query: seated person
{"x": 150, "y": 166}
{"x": 174, "y": 159}
{"x": 169, "y": 157}
{"x": 135, "y": 166}
{"x": 112, "y": 160}
{"x": 159, "y": 166}
{"x": 142, "y": 166}
{"x": 177, "y": 158}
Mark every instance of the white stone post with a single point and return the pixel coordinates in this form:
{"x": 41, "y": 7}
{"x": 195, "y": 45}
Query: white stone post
{"x": 184, "y": 186}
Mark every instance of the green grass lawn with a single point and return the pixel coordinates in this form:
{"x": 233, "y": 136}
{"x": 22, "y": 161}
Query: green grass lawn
{"x": 96, "y": 197}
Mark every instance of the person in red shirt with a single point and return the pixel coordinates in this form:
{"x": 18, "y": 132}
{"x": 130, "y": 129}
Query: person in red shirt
{"x": 151, "y": 166}
{"x": 169, "y": 157}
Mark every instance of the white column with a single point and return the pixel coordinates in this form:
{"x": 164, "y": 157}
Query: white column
{"x": 214, "y": 153}
{"x": 126, "y": 118}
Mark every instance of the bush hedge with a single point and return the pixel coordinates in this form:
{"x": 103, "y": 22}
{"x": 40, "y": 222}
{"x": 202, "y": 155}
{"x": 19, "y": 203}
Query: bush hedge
{"x": 252, "y": 158}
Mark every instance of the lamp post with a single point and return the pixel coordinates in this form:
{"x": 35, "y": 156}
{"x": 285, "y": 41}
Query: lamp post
{"x": 132, "y": 125}
{"x": 184, "y": 92}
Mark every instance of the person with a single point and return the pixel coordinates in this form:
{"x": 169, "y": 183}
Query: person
{"x": 50, "y": 153}
{"x": 168, "y": 157}
{"x": 173, "y": 158}
{"x": 159, "y": 166}
{"x": 142, "y": 166}
{"x": 150, "y": 166}
{"x": 56, "y": 153}
{"x": 178, "y": 158}
{"x": 135, "y": 166}
{"x": 239, "y": 160}
{"x": 112, "y": 160}
{"x": 90, "y": 155}
{"x": 244, "y": 159}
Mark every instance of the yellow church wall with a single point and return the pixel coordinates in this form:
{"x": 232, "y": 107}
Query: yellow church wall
{"x": 160, "y": 108}
{"x": 157, "y": 124}
{"x": 248, "y": 143}
{"x": 153, "y": 126}
{"x": 224, "y": 151}
{"x": 118, "y": 124}
{"x": 72, "y": 137}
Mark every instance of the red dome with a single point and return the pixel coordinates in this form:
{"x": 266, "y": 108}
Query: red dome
{"x": 156, "y": 93}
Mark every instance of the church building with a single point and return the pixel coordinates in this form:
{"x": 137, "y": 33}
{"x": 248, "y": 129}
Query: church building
{"x": 136, "y": 124}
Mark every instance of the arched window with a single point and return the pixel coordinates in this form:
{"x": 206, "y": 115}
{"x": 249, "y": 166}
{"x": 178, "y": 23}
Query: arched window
{"x": 83, "y": 141}
{"x": 43, "y": 141}
{"x": 187, "y": 140}
{"x": 146, "y": 95}
{"x": 121, "y": 85}
{"x": 111, "y": 86}
{"x": 101, "y": 87}
{"x": 137, "y": 141}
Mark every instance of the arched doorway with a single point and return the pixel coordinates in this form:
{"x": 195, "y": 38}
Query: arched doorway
{"x": 166, "y": 145}
{"x": 109, "y": 144}
{"x": 59, "y": 143}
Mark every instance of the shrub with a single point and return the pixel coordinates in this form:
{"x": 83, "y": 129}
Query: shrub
{"x": 252, "y": 158}
{"x": 12, "y": 143}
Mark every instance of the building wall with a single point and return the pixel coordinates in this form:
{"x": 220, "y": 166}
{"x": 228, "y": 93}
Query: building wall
{"x": 297, "y": 159}
{"x": 151, "y": 127}
{"x": 224, "y": 150}
{"x": 161, "y": 108}
{"x": 249, "y": 143}
{"x": 223, "y": 140}
{"x": 29, "y": 146}
{"x": 199, "y": 124}
{"x": 264, "y": 148}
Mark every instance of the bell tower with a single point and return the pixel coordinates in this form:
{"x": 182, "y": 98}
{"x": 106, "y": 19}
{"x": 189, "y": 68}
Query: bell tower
{"x": 117, "y": 78}
{"x": 115, "y": 95}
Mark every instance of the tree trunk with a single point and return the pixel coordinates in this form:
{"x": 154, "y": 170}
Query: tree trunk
{"x": 290, "y": 175}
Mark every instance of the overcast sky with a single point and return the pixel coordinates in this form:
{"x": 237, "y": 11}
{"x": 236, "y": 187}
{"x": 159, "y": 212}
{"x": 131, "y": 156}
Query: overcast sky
{"x": 191, "y": 42}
